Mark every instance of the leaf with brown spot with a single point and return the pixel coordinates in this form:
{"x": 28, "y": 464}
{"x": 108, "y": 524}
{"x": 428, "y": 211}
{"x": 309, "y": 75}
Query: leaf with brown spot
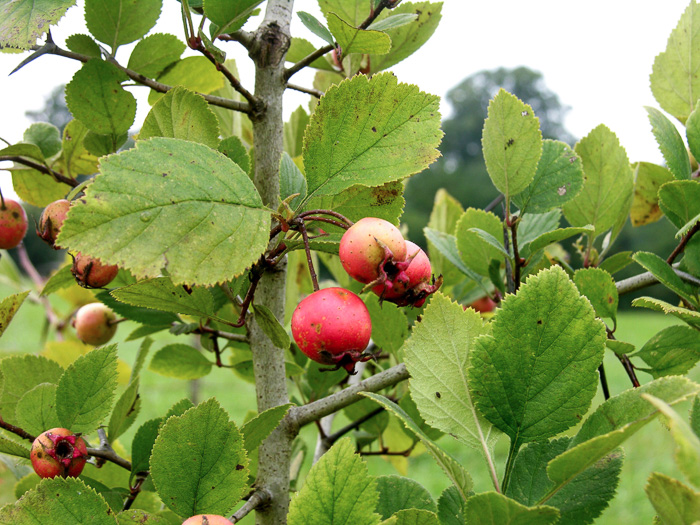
{"x": 9, "y": 307}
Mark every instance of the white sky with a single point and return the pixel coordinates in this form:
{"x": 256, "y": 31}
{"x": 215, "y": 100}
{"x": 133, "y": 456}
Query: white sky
{"x": 596, "y": 56}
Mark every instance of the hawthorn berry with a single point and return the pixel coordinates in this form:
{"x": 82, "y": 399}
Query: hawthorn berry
{"x": 206, "y": 519}
{"x": 368, "y": 246}
{"x": 95, "y": 324}
{"x": 58, "y": 452}
{"x": 91, "y": 272}
{"x": 332, "y": 327}
{"x": 483, "y": 305}
{"x": 51, "y": 221}
{"x": 13, "y": 224}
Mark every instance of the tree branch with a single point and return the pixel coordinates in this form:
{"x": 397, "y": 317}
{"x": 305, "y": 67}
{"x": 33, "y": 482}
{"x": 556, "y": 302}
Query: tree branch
{"x": 646, "y": 279}
{"x": 260, "y": 498}
{"x": 313, "y": 92}
{"x": 307, "y": 60}
{"x": 681, "y": 246}
{"x": 41, "y": 168}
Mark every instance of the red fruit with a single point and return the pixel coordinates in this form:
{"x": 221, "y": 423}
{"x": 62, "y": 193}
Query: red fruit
{"x": 483, "y": 305}
{"x": 91, "y": 273}
{"x": 51, "y": 221}
{"x": 58, "y": 452}
{"x": 13, "y": 224}
{"x": 368, "y": 245}
{"x": 332, "y": 326}
{"x": 206, "y": 519}
{"x": 95, "y": 324}
{"x": 418, "y": 271}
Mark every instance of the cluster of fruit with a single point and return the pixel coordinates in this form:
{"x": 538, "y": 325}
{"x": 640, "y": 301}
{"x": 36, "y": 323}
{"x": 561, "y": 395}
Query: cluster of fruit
{"x": 332, "y": 326}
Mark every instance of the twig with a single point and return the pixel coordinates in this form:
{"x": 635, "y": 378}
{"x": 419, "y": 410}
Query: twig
{"x": 241, "y": 338}
{"x": 626, "y": 363}
{"x": 133, "y": 492}
{"x": 681, "y": 246}
{"x": 105, "y": 451}
{"x": 604, "y": 382}
{"x": 386, "y": 452}
{"x": 309, "y": 91}
{"x": 16, "y": 430}
{"x": 327, "y": 220}
{"x": 327, "y": 212}
{"x": 495, "y": 202}
{"x": 41, "y": 168}
{"x": 259, "y": 498}
{"x": 307, "y": 60}
{"x": 307, "y": 249}
{"x": 643, "y": 280}
{"x": 26, "y": 264}
{"x": 516, "y": 254}
{"x": 329, "y": 440}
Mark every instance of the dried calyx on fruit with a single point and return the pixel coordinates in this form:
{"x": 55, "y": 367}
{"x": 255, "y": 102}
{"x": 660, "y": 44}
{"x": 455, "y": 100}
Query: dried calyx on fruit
{"x": 51, "y": 221}
{"x": 91, "y": 272}
{"x": 58, "y": 452}
{"x": 332, "y": 327}
{"x": 13, "y": 223}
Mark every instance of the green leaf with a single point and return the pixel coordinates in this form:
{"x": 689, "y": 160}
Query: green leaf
{"x": 96, "y": 98}
{"x": 154, "y": 53}
{"x": 539, "y": 384}
{"x": 83, "y": 44}
{"x": 665, "y": 274}
{"x": 20, "y": 375}
{"x": 674, "y": 502}
{"x": 412, "y": 517}
{"x": 337, "y": 490}
{"x": 9, "y": 307}
{"x": 125, "y": 411}
{"x": 75, "y": 159}
{"x": 227, "y": 13}
{"x": 182, "y": 114}
{"x": 580, "y": 501}
{"x": 352, "y": 11}
{"x": 695, "y": 416}
{"x": 139, "y": 314}
{"x": 692, "y": 133}
{"x": 393, "y": 21}
{"x": 299, "y": 49}
{"x": 211, "y": 446}
{"x": 44, "y": 135}
{"x": 409, "y": 406}
{"x": 271, "y": 326}
{"x": 295, "y": 127}
{"x": 680, "y": 201}
{"x": 451, "y": 507}
{"x": 23, "y": 21}
{"x": 648, "y": 178}
{"x": 407, "y": 39}
{"x": 674, "y": 82}
{"x": 257, "y": 429}
{"x": 142, "y": 445}
{"x": 599, "y": 287}
{"x": 558, "y": 179}
{"x": 139, "y": 517}
{"x": 670, "y": 143}
{"x": 359, "y": 134}
{"x": 180, "y": 361}
{"x": 354, "y": 40}
{"x": 86, "y": 390}
{"x": 31, "y": 151}
{"x": 446, "y": 244}
{"x": 59, "y": 500}
{"x": 557, "y": 235}
{"x": 616, "y": 262}
{"x": 397, "y": 493}
{"x": 672, "y": 351}
{"x": 36, "y": 411}
{"x": 512, "y": 143}
{"x": 691, "y": 317}
{"x": 36, "y": 188}
{"x": 443, "y": 217}
{"x": 140, "y": 358}
{"x": 607, "y": 191}
{"x": 687, "y": 452}
{"x": 437, "y": 355}
{"x": 195, "y": 73}
{"x": 389, "y": 322}
{"x": 375, "y": 426}
{"x": 292, "y": 181}
{"x": 316, "y": 27}
{"x": 477, "y": 253}
{"x": 101, "y": 145}
{"x": 145, "y": 213}
{"x": 234, "y": 149}
{"x": 122, "y": 21}
{"x": 13, "y": 448}
{"x": 492, "y": 508}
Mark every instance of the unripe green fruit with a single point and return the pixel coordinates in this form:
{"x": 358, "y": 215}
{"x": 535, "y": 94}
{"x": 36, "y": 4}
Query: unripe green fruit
{"x": 95, "y": 324}
{"x": 58, "y": 452}
{"x": 13, "y": 224}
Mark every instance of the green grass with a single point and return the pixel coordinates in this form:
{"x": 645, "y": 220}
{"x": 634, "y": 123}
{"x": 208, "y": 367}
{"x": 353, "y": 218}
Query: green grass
{"x": 648, "y": 451}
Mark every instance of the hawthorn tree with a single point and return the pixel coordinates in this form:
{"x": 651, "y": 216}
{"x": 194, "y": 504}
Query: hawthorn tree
{"x": 218, "y": 222}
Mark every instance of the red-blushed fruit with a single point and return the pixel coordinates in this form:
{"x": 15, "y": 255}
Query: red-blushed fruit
{"x": 332, "y": 326}
{"x": 58, "y": 452}
{"x": 13, "y": 224}
{"x": 483, "y": 305}
{"x": 418, "y": 271}
{"x": 95, "y": 324}
{"x": 91, "y": 273}
{"x": 368, "y": 245}
{"x": 206, "y": 519}
{"x": 51, "y": 221}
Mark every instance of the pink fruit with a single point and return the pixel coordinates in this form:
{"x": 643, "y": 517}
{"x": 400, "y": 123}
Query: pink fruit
{"x": 418, "y": 271}
{"x": 206, "y": 519}
{"x": 58, "y": 452}
{"x": 91, "y": 273}
{"x": 332, "y": 326}
{"x": 483, "y": 305}
{"x": 13, "y": 224}
{"x": 51, "y": 221}
{"x": 95, "y": 324}
{"x": 368, "y": 245}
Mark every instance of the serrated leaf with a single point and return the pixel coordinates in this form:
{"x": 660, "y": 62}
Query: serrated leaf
{"x": 412, "y": 517}
{"x": 135, "y": 313}
{"x": 8, "y": 308}
{"x": 680, "y": 201}
{"x": 142, "y": 445}
{"x": 36, "y": 188}
{"x": 101, "y": 145}
{"x": 695, "y": 416}
{"x": 608, "y": 188}
{"x": 692, "y": 133}
{"x": 155, "y": 53}
{"x": 599, "y": 287}
{"x": 687, "y": 452}
{"x": 393, "y": 21}
{"x": 226, "y": 13}
{"x": 234, "y": 149}
{"x": 211, "y": 446}
{"x": 477, "y": 253}
{"x": 21, "y": 374}
{"x": 437, "y": 354}
{"x": 674, "y": 82}
{"x": 620, "y": 347}
{"x": 125, "y": 411}
{"x": 96, "y": 98}
{"x": 337, "y": 490}
{"x": 146, "y": 204}
{"x": 139, "y": 517}
{"x": 182, "y": 114}
{"x": 616, "y": 262}
{"x": 492, "y": 508}
{"x": 648, "y": 178}
{"x": 292, "y": 181}
{"x": 13, "y": 448}
{"x": 121, "y": 22}
{"x": 390, "y": 325}
{"x": 394, "y": 141}
{"x": 672, "y": 351}
{"x": 271, "y": 326}
{"x": 446, "y": 244}
{"x": 180, "y": 361}
{"x": 45, "y": 136}
{"x": 86, "y": 390}
{"x": 195, "y": 73}
{"x": 23, "y": 21}
{"x": 36, "y": 411}
{"x": 557, "y": 235}
{"x": 582, "y": 500}
{"x": 665, "y": 274}
{"x": 539, "y": 384}
{"x": 670, "y": 143}
{"x": 512, "y": 143}
{"x": 354, "y": 40}
{"x": 83, "y": 44}
{"x": 59, "y": 500}
{"x": 20, "y": 149}
{"x": 25, "y": 484}
{"x": 257, "y": 429}
{"x": 316, "y": 27}
{"x": 443, "y": 217}
{"x": 674, "y": 502}
{"x": 558, "y": 179}
{"x": 299, "y": 49}
{"x": 691, "y": 317}
{"x": 451, "y": 507}
{"x": 397, "y": 493}
{"x": 75, "y": 159}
